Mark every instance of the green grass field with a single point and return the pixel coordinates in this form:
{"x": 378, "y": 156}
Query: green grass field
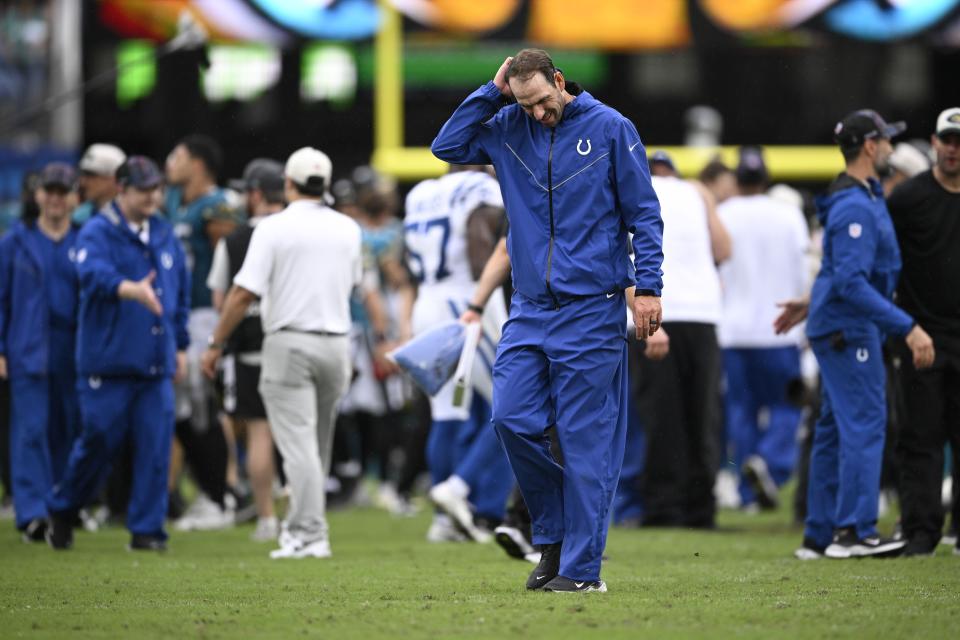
{"x": 385, "y": 581}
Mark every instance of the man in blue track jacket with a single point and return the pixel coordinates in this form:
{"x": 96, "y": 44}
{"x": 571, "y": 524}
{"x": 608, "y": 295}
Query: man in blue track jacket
{"x": 575, "y": 181}
{"x": 851, "y": 312}
{"x": 131, "y": 337}
{"x": 38, "y": 310}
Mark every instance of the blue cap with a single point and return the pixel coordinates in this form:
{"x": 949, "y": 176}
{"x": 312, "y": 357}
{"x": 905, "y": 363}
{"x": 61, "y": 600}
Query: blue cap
{"x": 139, "y": 172}
{"x": 663, "y": 157}
{"x": 58, "y": 174}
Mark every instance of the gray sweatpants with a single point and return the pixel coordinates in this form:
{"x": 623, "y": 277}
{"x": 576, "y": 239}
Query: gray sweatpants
{"x": 301, "y": 381}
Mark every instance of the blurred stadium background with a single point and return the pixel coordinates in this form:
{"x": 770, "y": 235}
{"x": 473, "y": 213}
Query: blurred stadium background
{"x": 373, "y": 80}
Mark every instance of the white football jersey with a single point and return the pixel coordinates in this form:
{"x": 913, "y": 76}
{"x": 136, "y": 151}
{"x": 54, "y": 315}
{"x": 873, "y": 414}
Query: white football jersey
{"x": 435, "y": 226}
{"x": 435, "y": 230}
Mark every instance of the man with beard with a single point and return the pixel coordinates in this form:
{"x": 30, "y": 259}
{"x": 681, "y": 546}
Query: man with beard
{"x": 926, "y": 215}
{"x": 850, "y": 312}
{"x": 575, "y": 181}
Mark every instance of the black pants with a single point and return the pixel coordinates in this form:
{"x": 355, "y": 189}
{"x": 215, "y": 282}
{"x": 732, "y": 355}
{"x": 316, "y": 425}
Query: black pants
{"x": 932, "y": 418}
{"x": 678, "y": 402}
{"x": 206, "y": 453}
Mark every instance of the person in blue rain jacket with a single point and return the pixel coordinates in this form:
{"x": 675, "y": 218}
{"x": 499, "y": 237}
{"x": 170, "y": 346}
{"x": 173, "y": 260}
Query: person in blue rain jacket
{"x": 131, "y": 338}
{"x": 38, "y": 308}
{"x": 851, "y": 311}
{"x": 575, "y": 182}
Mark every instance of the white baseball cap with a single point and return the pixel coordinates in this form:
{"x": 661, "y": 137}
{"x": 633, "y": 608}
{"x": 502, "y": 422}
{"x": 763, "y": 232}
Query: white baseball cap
{"x": 102, "y": 159}
{"x": 310, "y": 169}
{"x": 948, "y": 121}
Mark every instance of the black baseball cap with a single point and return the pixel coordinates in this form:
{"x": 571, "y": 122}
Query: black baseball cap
{"x": 260, "y": 173}
{"x": 751, "y": 169}
{"x": 863, "y": 125}
{"x": 139, "y": 172}
{"x": 58, "y": 174}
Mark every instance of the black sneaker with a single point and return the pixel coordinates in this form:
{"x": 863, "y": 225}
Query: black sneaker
{"x": 756, "y": 473}
{"x": 146, "y": 543}
{"x": 846, "y": 545}
{"x": 60, "y": 531}
{"x": 35, "y": 531}
{"x": 548, "y": 568}
{"x": 809, "y": 550}
{"x": 919, "y": 545}
{"x": 513, "y": 542}
{"x": 566, "y": 585}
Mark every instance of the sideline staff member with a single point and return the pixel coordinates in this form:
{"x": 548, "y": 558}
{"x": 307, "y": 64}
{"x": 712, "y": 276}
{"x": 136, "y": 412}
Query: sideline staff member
{"x": 926, "y": 215}
{"x": 131, "y": 342}
{"x": 303, "y": 263}
{"x": 850, "y": 312}
{"x": 38, "y": 326}
{"x": 575, "y": 180}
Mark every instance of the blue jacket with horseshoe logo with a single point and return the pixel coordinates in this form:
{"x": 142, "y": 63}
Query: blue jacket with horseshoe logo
{"x": 121, "y": 337}
{"x": 572, "y": 193}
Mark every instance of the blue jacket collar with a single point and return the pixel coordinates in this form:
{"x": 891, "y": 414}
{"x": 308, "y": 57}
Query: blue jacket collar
{"x": 20, "y": 233}
{"x": 581, "y": 103}
{"x": 846, "y": 186}
{"x": 158, "y": 227}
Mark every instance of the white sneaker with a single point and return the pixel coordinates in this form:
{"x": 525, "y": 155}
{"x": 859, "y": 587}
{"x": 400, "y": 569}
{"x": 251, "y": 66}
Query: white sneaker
{"x": 292, "y": 547}
{"x": 457, "y": 507}
{"x": 512, "y": 541}
{"x": 442, "y": 529}
{"x": 806, "y": 553}
{"x": 725, "y": 490}
{"x": 204, "y": 515}
{"x": 267, "y": 530}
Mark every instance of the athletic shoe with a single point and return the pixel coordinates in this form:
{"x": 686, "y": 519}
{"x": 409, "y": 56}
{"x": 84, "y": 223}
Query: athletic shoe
{"x": 548, "y": 568}
{"x": 725, "y": 490}
{"x": 846, "y": 545}
{"x": 59, "y": 531}
{"x": 756, "y": 473}
{"x": 35, "y": 531}
{"x": 456, "y": 506}
{"x": 810, "y": 550}
{"x": 566, "y": 585}
{"x": 267, "y": 530}
{"x": 442, "y": 529}
{"x": 146, "y": 543}
{"x": 513, "y": 542}
{"x": 205, "y": 515}
{"x": 292, "y": 547}
{"x": 88, "y": 520}
{"x": 533, "y": 558}
{"x": 919, "y": 545}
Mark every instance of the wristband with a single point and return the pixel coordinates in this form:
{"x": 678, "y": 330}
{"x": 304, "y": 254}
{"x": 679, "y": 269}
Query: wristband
{"x": 211, "y": 344}
{"x": 475, "y": 308}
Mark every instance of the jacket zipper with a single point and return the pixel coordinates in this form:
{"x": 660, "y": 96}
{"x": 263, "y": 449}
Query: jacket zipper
{"x": 556, "y": 302}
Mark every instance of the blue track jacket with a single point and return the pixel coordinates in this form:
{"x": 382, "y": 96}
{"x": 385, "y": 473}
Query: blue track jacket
{"x": 32, "y": 301}
{"x": 861, "y": 263}
{"x": 571, "y": 193}
{"x": 121, "y": 337}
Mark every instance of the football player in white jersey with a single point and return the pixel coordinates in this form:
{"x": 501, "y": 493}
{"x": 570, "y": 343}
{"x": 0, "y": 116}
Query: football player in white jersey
{"x": 451, "y": 227}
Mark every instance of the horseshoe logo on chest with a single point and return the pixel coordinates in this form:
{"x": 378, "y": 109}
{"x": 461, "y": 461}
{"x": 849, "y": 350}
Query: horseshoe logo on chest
{"x": 580, "y": 144}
